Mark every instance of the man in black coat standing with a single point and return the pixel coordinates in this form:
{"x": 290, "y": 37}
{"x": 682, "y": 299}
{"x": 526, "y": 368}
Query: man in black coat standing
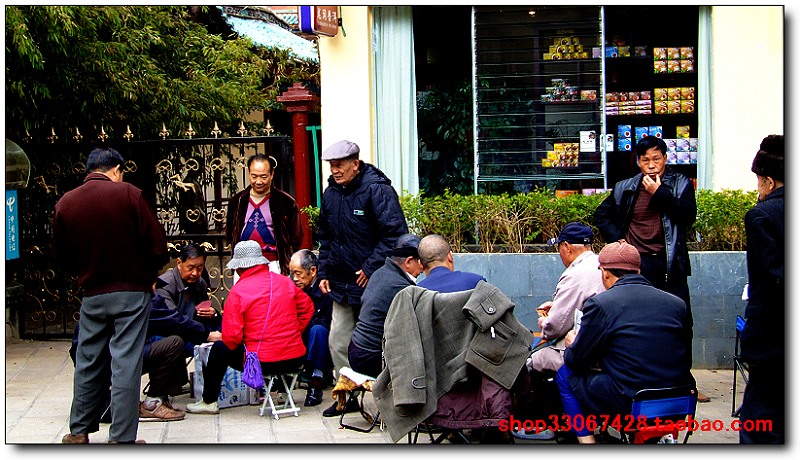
{"x": 360, "y": 220}
{"x": 764, "y": 336}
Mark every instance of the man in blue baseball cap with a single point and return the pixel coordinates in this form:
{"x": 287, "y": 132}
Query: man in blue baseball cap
{"x": 580, "y": 280}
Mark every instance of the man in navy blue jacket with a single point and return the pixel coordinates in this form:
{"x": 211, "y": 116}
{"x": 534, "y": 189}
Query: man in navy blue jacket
{"x": 437, "y": 260}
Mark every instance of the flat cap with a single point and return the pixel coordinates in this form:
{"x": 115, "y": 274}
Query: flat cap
{"x": 340, "y": 150}
{"x": 619, "y": 255}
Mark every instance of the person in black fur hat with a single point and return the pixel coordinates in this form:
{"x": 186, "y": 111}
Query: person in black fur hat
{"x": 764, "y": 338}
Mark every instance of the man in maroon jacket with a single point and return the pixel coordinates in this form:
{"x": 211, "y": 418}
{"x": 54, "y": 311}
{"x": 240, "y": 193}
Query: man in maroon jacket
{"x": 106, "y": 232}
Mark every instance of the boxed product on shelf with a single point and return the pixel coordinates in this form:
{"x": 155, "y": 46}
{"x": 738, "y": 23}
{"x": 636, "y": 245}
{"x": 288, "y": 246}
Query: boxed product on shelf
{"x": 687, "y": 66}
{"x": 687, "y": 92}
{"x": 673, "y": 94}
{"x": 659, "y": 66}
{"x": 682, "y": 132}
{"x": 672, "y": 145}
{"x": 692, "y": 144}
{"x": 692, "y": 157}
{"x": 682, "y": 144}
{"x": 588, "y": 94}
{"x": 640, "y": 51}
{"x": 597, "y": 52}
{"x": 624, "y": 145}
{"x": 624, "y": 131}
{"x": 641, "y": 132}
{"x": 687, "y": 106}
{"x": 656, "y": 131}
{"x": 612, "y": 52}
{"x": 612, "y": 97}
{"x": 567, "y": 154}
{"x": 624, "y": 51}
{"x": 659, "y": 54}
{"x": 622, "y": 96}
{"x": 687, "y": 52}
{"x": 660, "y": 94}
{"x": 643, "y": 103}
{"x": 674, "y": 107}
{"x": 672, "y": 157}
{"x": 642, "y": 111}
{"x": 645, "y": 95}
{"x": 661, "y": 108}
{"x": 673, "y": 53}
{"x": 673, "y": 66}
{"x": 609, "y": 142}
{"x": 684, "y": 158}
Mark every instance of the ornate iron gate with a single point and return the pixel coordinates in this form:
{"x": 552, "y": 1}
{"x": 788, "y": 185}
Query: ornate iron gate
{"x": 188, "y": 181}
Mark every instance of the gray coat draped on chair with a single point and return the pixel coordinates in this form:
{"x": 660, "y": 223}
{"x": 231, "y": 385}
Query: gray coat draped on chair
{"x": 429, "y": 339}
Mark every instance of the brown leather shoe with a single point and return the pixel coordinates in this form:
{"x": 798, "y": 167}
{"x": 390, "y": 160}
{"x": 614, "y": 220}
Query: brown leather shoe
{"x": 159, "y": 412}
{"x": 70, "y": 438}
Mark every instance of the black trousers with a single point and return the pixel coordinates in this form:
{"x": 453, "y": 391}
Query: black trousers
{"x": 166, "y": 366}
{"x": 764, "y": 403}
{"x": 364, "y": 362}
{"x": 220, "y": 357}
{"x": 654, "y": 268}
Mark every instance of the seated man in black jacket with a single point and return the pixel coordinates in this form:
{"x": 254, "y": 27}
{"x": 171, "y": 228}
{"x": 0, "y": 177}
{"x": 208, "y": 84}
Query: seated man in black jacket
{"x": 636, "y": 334}
{"x": 303, "y": 270}
{"x": 163, "y": 358}
{"x": 400, "y": 270}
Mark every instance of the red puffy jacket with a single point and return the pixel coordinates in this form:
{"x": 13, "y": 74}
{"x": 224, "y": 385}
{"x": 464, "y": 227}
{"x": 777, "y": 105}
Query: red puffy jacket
{"x": 261, "y": 295}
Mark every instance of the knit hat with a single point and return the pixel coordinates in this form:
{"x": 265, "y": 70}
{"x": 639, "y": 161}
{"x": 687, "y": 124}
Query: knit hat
{"x": 406, "y": 245}
{"x": 768, "y": 161}
{"x": 246, "y": 254}
{"x": 340, "y": 150}
{"x": 621, "y": 256}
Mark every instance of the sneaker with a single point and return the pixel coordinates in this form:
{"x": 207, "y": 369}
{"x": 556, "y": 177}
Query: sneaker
{"x": 70, "y": 438}
{"x": 159, "y": 411}
{"x": 544, "y": 435}
{"x": 201, "y": 407}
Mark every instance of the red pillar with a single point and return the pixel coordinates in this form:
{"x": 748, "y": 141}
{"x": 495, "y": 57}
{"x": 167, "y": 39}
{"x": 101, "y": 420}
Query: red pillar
{"x": 299, "y": 101}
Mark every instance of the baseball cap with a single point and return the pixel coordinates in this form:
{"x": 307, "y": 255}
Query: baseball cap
{"x": 574, "y": 233}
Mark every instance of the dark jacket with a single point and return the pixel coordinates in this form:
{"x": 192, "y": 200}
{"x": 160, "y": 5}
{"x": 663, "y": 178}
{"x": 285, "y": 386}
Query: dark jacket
{"x": 639, "y": 336}
{"x": 764, "y": 336}
{"x": 323, "y": 306}
{"x": 358, "y": 225}
{"x": 384, "y": 284}
{"x": 173, "y": 292}
{"x": 676, "y": 202}
{"x": 108, "y": 234}
{"x": 288, "y": 231}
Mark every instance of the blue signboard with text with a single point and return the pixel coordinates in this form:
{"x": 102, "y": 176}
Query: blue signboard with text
{"x": 318, "y": 20}
{"x": 12, "y": 225}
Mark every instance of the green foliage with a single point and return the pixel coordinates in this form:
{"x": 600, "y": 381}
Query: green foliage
{"x": 720, "y": 219}
{"x": 313, "y": 216}
{"x": 137, "y": 66}
{"x": 511, "y": 222}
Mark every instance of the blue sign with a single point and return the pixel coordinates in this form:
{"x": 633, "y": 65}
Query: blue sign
{"x": 12, "y": 225}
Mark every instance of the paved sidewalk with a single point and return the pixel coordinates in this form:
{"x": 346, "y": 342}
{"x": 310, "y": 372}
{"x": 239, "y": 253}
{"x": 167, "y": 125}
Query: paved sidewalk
{"x": 38, "y": 384}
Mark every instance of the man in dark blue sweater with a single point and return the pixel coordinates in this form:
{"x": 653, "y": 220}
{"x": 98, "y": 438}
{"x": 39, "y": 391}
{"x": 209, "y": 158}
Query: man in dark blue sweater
{"x": 437, "y": 260}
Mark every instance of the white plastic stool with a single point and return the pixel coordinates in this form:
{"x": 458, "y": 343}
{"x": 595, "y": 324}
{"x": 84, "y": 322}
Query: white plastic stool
{"x": 288, "y": 407}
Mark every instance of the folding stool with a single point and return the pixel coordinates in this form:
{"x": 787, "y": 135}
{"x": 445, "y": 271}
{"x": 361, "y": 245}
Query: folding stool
{"x": 288, "y": 407}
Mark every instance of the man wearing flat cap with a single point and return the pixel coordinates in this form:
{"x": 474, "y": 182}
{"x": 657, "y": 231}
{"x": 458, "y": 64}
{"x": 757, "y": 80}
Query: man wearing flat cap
{"x": 636, "y": 334}
{"x": 764, "y": 336}
{"x": 360, "y": 220}
{"x": 399, "y": 271}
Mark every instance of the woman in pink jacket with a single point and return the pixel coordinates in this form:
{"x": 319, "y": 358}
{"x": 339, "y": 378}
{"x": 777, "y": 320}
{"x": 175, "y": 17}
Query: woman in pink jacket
{"x": 264, "y": 312}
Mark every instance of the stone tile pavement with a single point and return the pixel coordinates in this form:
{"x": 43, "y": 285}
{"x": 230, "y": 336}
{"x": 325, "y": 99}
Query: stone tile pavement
{"x": 38, "y": 393}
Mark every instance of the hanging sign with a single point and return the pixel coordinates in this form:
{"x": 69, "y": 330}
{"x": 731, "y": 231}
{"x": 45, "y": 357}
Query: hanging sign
{"x": 12, "y": 225}
{"x": 319, "y": 20}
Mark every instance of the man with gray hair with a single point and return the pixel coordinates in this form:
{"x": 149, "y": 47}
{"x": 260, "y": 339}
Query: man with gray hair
{"x": 100, "y": 214}
{"x": 303, "y": 270}
{"x": 360, "y": 220}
